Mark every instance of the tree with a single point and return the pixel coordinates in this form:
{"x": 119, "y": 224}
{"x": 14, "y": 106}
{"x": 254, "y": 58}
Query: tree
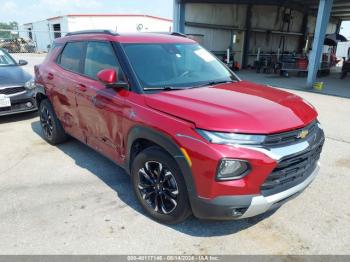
{"x": 14, "y": 25}
{"x": 5, "y": 29}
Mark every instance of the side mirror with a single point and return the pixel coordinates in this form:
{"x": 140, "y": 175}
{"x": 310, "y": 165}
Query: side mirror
{"x": 107, "y": 76}
{"x": 22, "y": 62}
{"x": 110, "y": 78}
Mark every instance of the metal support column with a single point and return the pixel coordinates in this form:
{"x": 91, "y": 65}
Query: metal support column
{"x": 182, "y": 18}
{"x": 247, "y": 36}
{"x": 337, "y": 30}
{"x": 176, "y": 13}
{"x": 179, "y": 16}
{"x": 324, "y": 11}
{"x": 303, "y": 38}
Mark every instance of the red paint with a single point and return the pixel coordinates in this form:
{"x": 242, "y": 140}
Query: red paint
{"x": 130, "y": 38}
{"x": 108, "y": 76}
{"x": 103, "y": 117}
{"x": 253, "y": 108}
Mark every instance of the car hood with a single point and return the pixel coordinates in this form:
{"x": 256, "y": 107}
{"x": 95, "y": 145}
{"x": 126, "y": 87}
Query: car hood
{"x": 241, "y": 107}
{"x": 13, "y": 75}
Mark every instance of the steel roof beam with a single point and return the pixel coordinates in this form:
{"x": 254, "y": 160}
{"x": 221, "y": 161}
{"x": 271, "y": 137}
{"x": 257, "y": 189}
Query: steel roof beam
{"x": 341, "y": 14}
{"x": 288, "y": 3}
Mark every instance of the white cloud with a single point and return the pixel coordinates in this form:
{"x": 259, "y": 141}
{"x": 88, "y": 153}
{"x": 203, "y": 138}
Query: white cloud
{"x": 65, "y": 6}
{"x": 35, "y": 10}
{"x": 9, "y": 7}
{"x": 43, "y": 9}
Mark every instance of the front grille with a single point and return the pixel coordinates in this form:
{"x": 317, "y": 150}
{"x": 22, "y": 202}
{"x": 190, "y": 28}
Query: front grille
{"x": 289, "y": 137}
{"x": 292, "y": 170}
{"x": 12, "y": 90}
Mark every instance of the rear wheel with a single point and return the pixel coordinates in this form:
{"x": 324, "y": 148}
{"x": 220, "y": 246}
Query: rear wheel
{"x": 343, "y": 74}
{"x": 159, "y": 186}
{"x": 53, "y": 131}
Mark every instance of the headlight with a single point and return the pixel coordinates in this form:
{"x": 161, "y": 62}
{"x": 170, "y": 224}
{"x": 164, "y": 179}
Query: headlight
{"x": 231, "y": 138}
{"x": 30, "y": 84}
{"x": 232, "y": 169}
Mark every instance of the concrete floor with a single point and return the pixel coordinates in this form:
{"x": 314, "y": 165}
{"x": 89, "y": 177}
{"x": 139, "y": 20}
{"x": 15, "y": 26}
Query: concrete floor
{"x": 333, "y": 85}
{"x": 70, "y": 200}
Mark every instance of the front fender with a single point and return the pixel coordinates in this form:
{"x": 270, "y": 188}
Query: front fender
{"x": 169, "y": 145}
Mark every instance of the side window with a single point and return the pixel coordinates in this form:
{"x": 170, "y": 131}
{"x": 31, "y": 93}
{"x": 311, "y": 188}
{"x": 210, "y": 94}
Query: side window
{"x": 99, "y": 56}
{"x": 72, "y": 56}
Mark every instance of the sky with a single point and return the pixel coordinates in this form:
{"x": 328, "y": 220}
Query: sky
{"x": 24, "y": 11}
{"x": 345, "y": 30}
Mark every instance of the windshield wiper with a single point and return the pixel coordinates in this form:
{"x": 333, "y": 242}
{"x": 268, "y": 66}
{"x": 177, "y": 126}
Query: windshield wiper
{"x": 169, "y": 88}
{"x": 164, "y": 88}
{"x": 215, "y": 83}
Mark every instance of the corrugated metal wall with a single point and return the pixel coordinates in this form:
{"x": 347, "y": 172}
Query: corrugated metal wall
{"x": 218, "y": 22}
{"x": 215, "y": 14}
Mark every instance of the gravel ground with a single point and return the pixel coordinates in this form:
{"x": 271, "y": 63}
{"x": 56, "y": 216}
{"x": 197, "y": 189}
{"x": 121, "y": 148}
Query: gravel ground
{"x": 70, "y": 200}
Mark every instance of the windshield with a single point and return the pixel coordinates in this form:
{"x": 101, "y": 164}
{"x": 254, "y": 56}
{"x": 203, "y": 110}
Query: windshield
{"x": 6, "y": 59}
{"x": 158, "y": 66}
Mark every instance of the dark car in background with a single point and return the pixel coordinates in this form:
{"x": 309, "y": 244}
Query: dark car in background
{"x": 16, "y": 86}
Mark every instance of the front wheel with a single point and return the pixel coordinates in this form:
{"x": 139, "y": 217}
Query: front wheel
{"x": 159, "y": 186}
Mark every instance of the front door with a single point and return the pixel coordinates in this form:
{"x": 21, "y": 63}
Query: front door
{"x": 100, "y": 108}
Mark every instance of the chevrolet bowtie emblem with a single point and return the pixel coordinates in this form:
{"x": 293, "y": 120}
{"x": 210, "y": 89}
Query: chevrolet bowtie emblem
{"x": 303, "y": 134}
{"x": 132, "y": 114}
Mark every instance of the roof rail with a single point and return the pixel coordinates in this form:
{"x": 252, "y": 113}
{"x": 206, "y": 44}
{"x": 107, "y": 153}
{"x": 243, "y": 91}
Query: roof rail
{"x": 83, "y": 32}
{"x": 178, "y": 34}
{"x": 170, "y": 33}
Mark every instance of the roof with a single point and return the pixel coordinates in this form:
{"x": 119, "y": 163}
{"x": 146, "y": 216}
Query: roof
{"x": 340, "y": 10}
{"x": 129, "y": 38}
{"x": 112, "y": 15}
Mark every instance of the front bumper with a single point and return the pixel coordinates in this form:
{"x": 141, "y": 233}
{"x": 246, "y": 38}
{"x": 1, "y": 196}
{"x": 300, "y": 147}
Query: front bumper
{"x": 19, "y": 104}
{"x": 244, "y": 206}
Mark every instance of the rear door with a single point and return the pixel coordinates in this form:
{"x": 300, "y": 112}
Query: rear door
{"x": 99, "y": 108}
{"x": 65, "y": 76}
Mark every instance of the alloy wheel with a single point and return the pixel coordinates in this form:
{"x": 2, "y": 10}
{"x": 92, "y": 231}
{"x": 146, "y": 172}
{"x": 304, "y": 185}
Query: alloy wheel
{"x": 46, "y": 122}
{"x": 158, "y": 187}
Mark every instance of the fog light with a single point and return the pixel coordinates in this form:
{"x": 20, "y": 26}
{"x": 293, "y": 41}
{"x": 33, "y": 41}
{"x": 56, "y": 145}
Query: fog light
{"x": 29, "y": 104}
{"x": 231, "y": 169}
{"x": 237, "y": 212}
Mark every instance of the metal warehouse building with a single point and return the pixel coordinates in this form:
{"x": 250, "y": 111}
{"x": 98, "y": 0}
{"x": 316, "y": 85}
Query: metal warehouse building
{"x": 252, "y": 26}
{"x": 43, "y": 32}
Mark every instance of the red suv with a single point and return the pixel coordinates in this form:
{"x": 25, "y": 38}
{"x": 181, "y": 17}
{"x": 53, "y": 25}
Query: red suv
{"x": 192, "y": 135}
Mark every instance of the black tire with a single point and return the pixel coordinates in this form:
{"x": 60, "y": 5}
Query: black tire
{"x": 52, "y": 129}
{"x": 172, "y": 189}
{"x": 343, "y": 74}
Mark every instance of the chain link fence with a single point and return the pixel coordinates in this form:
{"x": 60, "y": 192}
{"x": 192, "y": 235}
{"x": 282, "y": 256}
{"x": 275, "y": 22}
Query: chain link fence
{"x": 27, "y": 41}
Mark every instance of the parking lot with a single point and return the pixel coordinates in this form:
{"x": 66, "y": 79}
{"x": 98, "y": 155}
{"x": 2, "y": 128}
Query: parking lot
{"x": 71, "y": 200}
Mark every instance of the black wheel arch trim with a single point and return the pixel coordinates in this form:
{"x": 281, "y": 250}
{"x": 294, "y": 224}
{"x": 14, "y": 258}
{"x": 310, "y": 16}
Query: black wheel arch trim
{"x": 169, "y": 145}
{"x": 39, "y": 91}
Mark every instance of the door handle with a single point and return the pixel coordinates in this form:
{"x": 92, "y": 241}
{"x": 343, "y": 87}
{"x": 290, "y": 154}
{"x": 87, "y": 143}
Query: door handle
{"x": 97, "y": 102}
{"x": 81, "y": 87}
{"x": 94, "y": 100}
{"x": 50, "y": 76}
